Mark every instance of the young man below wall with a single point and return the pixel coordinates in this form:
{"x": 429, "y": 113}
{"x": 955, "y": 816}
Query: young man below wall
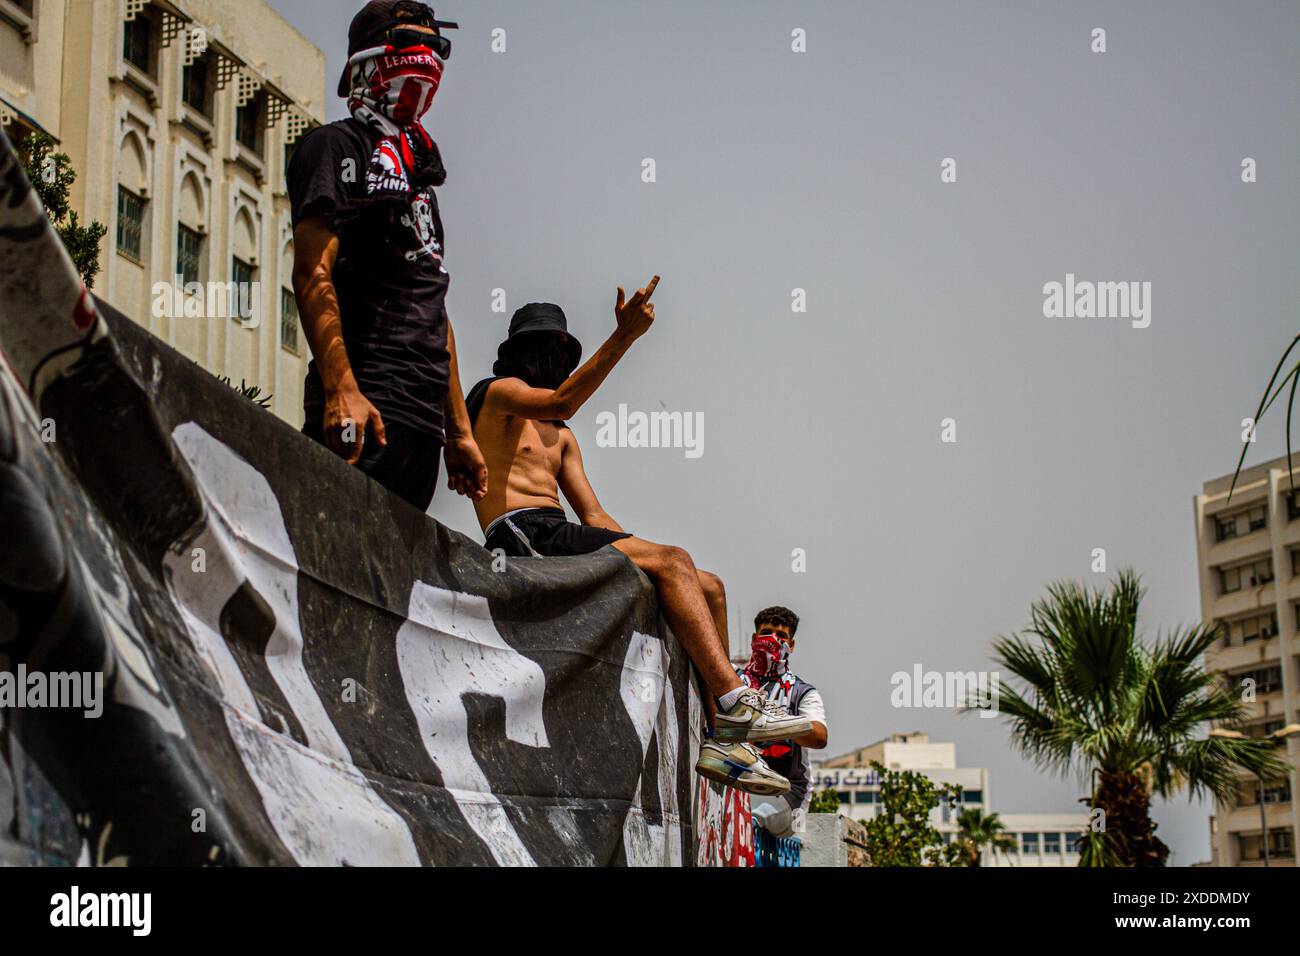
{"x": 768, "y": 671}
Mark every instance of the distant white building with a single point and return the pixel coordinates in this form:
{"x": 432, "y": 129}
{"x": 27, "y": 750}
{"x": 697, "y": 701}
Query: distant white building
{"x": 1042, "y": 839}
{"x": 1248, "y": 555}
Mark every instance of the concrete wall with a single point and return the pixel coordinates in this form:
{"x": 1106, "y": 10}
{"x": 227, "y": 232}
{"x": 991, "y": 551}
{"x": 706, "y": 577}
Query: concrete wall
{"x": 833, "y": 840}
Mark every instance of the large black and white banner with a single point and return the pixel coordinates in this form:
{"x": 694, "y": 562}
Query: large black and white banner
{"x": 297, "y": 667}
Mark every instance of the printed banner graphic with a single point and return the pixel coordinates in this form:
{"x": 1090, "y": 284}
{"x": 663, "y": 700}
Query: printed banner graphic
{"x": 297, "y": 667}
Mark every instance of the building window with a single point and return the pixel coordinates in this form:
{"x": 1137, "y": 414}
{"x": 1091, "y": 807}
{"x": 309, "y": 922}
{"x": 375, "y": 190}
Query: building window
{"x": 1267, "y": 680}
{"x": 188, "y": 247}
{"x": 1255, "y": 574}
{"x": 1279, "y": 844}
{"x": 844, "y": 795}
{"x": 289, "y": 150}
{"x": 1295, "y": 562}
{"x": 248, "y": 124}
{"x": 972, "y": 796}
{"x": 1268, "y": 727}
{"x": 1229, "y": 580}
{"x": 196, "y": 85}
{"x": 1293, "y": 506}
{"x": 241, "y": 274}
{"x": 1244, "y": 630}
{"x": 1073, "y": 842}
{"x": 288, "y": 321}
{"x": 130, "y": 222}
{"x": 1258, "y": 518}
{"x": 1225, "y": 528}
{"x": 1261, "y": 572}
{"x": 1029, "y": 843}
{"x": 1277, "y": 792}
{"x": 137, "y": 41}
{"x": 1052, "y": 843}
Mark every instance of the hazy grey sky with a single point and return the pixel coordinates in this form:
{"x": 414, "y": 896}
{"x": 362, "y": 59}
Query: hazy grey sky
{"x": 821, "y": 171}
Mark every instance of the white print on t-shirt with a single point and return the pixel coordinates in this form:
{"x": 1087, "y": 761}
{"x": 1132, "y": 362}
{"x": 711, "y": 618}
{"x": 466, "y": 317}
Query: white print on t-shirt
{"x": 421, "y": 221}
{"x": 386, "y": 172}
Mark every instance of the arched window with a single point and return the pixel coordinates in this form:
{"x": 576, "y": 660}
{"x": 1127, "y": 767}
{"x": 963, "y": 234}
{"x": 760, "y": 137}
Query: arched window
{"x": 132, "y": 189}
{"x": 289, "y": 324}
{"x": 189, "y": 231}
{"x": 243, "y": 265}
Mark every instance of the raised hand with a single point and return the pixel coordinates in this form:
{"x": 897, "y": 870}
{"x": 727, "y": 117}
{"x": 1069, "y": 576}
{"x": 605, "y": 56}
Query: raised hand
{"x": 636, "y": 315}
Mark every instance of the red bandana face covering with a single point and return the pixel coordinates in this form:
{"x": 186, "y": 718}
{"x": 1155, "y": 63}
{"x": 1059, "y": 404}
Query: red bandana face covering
{"x": 769, "y": 660}
{"x": 391, "y": 90}
{"x": 399, "y": 85}
{"x": 769, "y": 667}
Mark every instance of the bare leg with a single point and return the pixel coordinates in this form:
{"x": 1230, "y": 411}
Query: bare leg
{"x": 684, "y": 605}
{"x": 715, "y": 595}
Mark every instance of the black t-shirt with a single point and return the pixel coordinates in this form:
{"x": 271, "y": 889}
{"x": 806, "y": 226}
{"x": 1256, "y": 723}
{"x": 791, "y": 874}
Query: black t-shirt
{"x": 389, "y": 278}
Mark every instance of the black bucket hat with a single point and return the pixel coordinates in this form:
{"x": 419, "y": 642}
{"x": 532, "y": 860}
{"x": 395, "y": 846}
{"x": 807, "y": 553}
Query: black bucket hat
{"x": 376, "y": 18}
{"x": 538, "y": 317}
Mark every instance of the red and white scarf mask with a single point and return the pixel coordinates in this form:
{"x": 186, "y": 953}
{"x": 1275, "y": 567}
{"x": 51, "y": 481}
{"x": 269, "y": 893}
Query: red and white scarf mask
{"x": 393, "y": 87}
{"x": 391, "y": 90}
{"x": 769, "y": 664}
{"x": 769, "y": 660}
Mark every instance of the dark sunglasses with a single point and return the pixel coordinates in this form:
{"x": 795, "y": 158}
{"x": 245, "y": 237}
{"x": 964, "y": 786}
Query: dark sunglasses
{"x": 404, "y": 37}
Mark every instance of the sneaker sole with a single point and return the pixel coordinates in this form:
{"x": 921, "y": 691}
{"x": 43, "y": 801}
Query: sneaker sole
{"x": 732, "y": 774}
{"x": 743, "y": 734}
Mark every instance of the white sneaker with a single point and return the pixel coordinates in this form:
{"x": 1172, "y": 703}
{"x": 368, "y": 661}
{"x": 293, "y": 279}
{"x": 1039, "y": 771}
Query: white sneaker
{"x": 755, "y": 718}
{"x": 741, "y": 766}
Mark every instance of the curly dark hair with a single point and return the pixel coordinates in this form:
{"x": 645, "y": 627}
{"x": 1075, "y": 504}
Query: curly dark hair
{"x": 777, "y": 615}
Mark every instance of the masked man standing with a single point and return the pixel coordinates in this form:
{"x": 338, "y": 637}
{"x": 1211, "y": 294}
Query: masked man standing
{"x": 768, "y": 671}
{"x": 519, "y": 419}
{"x": 383, "y": 389}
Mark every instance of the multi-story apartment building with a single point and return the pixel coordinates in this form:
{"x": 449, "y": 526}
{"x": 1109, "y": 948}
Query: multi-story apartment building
{"x": 178, "y": 116}
{"x": 1041, "y": 839}
{"x": 1248, "y": 554}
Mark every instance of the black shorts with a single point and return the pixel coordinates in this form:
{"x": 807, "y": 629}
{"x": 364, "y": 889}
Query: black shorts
{"x": 406, "y": 466}
{"x": 546, "y": 532}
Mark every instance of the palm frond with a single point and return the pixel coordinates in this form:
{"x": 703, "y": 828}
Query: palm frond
{"x": 1214, "y": 765}
{"x": 1263, "y": 405}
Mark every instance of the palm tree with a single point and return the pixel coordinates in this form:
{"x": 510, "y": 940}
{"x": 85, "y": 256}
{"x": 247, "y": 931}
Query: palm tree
{"x": 1096, "y": 699}
{"x": 975, "y": 831}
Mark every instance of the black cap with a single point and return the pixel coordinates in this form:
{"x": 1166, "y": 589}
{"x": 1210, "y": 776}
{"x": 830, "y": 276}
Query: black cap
{"x": 540, "y": 317}
{"x": 379, "y": 16}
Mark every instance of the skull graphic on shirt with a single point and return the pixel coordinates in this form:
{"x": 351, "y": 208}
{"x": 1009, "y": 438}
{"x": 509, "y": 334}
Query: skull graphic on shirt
{"x": 420, "y": 221}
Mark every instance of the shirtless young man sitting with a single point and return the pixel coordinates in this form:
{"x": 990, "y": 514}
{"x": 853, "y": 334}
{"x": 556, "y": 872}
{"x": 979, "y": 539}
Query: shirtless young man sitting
{"x": 519, "y": 417}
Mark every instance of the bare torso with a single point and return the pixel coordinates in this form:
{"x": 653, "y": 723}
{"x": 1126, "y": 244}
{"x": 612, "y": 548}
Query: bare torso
{"x": 523, "y": 460}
